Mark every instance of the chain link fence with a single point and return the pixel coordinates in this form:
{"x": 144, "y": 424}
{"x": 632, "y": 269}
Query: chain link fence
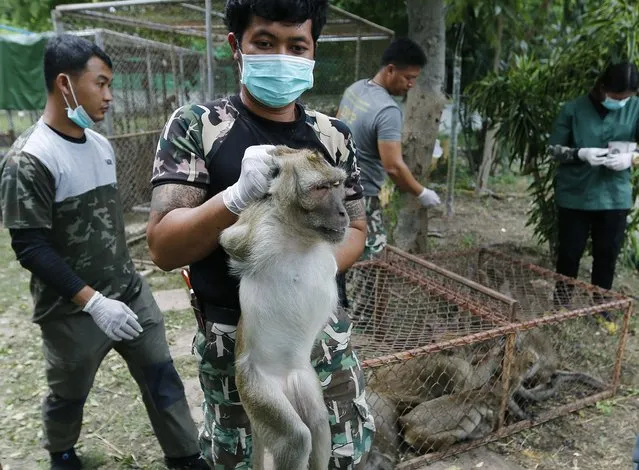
{"x": 464, "y": 348}
{"x": 160, "y": 52}
{"x": 151, "y": 79}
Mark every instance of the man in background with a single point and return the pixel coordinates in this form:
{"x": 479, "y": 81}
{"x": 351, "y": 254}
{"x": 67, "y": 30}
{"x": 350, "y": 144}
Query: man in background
{"x": 375, "y": 119}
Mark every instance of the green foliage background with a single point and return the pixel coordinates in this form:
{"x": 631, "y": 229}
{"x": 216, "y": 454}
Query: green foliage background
{"x": 525, "y": 99}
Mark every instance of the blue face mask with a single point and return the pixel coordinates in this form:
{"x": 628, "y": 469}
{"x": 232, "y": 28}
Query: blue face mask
{"x": 614, "y": 105}
{"x": 78, "y": 115}
{"x": 276, "y": 80}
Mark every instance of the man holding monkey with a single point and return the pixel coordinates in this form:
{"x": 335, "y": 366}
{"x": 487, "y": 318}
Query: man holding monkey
{"x": 211, "y": 162}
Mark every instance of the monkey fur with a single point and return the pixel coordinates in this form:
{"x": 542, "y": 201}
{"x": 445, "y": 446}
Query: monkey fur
{"x": 282, "y": 248}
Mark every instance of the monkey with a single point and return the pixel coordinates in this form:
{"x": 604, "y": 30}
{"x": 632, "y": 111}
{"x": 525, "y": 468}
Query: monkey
{"x": 430, "y": 376}
{"x": 282, "y": 250}
{"x": 468, "y": 414}
{"x": 439, "y": 423}
{"x": 396, "y": 391}
{"x": 537, "y": 375}
{"x": 441, "y": 400}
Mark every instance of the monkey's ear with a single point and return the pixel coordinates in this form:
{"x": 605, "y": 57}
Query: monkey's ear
{"x": 276, "y": 168}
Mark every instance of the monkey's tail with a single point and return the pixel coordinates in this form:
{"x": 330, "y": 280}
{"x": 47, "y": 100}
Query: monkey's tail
{"x": 564, "y": 376}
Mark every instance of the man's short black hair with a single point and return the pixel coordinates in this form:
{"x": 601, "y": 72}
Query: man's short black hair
{"x": 238, "y": 13}
{"x": 620, "y": 78}
{"x": 404, "y": 52}
{"x": 67, "y": 53}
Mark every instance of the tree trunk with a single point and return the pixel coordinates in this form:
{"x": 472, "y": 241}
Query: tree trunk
{"x": 421, "y": 118}
{"x": 490, "y": 147}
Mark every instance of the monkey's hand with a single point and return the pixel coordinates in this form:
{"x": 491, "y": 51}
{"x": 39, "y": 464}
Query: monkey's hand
{"x": 255, "y": 177}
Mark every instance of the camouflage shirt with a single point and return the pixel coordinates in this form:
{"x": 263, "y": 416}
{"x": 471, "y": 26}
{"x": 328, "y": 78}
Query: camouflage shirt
{"x": 203, "y": 145}
{"x": 69, "y": 188}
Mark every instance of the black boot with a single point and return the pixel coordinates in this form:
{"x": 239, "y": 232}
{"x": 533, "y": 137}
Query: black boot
{"x": 193, "y": 462}
{"x": 66, "y": 460}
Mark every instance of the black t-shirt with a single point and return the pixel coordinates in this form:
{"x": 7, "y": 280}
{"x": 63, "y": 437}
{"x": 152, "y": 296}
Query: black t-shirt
{"x": 203, "y": 145}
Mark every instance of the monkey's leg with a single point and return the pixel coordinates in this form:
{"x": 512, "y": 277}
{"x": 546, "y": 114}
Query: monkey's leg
{"x": 307, "y": 398}
{"x": 273, "y": 418}
{"x": 258, "y": 450}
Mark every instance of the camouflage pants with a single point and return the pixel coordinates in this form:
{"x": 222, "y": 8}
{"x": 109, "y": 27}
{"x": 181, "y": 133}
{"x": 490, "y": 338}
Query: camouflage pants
{"x": 376, "y": 238}
{"x": 225, "y": 439}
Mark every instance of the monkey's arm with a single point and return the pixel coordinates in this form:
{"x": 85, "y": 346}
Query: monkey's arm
{"x": 352, "y": 247}
{"x": 237, "y": 240}
{"x": 182, "y": 227}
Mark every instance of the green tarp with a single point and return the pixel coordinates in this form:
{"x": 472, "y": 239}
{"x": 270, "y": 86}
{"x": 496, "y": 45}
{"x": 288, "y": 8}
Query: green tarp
{"x": 21, "y": 71}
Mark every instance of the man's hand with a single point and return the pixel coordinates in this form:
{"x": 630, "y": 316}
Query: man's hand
{"x": 592, "y": 155}
{"x": 113, "y": 317}
{"x": 618, "y": 161}
{"x": 428, "y": 198}
{"x": 256, "y": 175}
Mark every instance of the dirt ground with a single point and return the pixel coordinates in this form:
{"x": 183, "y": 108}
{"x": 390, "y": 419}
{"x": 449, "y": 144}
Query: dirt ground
{"x": 116, "y": 433}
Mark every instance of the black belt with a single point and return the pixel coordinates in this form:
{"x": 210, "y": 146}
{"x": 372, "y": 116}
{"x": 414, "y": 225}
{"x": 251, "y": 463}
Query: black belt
{"x": 215, "y": 314}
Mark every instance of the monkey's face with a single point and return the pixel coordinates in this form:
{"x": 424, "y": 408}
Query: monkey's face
{"x": 310, "y": 194}
{"x": 322, "y": 206}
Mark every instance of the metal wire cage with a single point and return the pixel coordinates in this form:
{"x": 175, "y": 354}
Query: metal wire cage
{"x": 453, "y": 363}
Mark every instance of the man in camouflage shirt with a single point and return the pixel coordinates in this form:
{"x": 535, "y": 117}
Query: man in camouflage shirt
{"x": 61, "y": 205}
{"x": 210, "y": 163}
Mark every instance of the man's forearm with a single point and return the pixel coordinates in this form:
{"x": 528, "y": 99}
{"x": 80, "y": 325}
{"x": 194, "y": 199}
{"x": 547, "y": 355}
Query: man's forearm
{"x": 350, "y": 249}
{"x": 563, "y": 154}
{"x": 36, "y": 253}
{"x": 185, "y": 235}
{"x": 82, "y": 297}
{"x": 404, "y": 179}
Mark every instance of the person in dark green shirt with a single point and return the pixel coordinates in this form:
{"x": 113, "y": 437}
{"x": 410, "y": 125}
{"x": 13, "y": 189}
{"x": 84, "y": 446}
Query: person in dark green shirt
{"x": 592, "y": 186}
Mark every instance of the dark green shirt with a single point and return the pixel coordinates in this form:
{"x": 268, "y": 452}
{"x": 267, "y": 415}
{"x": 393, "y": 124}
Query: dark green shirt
{"x": 579, "y": 185}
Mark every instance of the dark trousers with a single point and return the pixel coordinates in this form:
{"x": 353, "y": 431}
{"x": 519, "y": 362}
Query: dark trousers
{"x": 74, "y": 348}
{"x": 606, "y": 228}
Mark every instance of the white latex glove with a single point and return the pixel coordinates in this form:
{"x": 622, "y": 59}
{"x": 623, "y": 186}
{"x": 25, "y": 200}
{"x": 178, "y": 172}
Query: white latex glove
{"x": 618, "y": 161}
{"x": 592, "y": 155}
{"x": 113, "y": 317}
{"x": 428, "y": 198}
{"x": 255, "y": 177}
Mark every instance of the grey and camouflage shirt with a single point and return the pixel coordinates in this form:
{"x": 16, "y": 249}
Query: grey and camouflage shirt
{"x": 70, "y": 189}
